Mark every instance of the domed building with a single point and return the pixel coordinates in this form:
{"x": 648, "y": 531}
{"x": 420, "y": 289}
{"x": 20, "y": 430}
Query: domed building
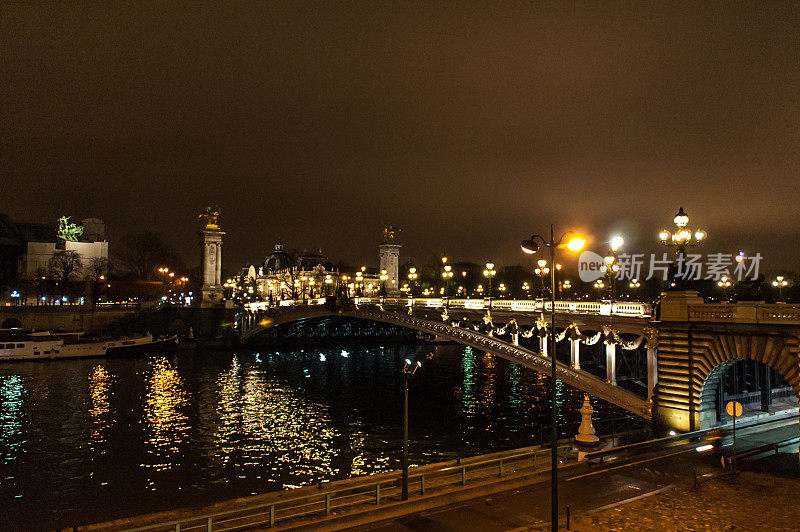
{"x": 278, "y": 261}
{"x": 288, "y": 274}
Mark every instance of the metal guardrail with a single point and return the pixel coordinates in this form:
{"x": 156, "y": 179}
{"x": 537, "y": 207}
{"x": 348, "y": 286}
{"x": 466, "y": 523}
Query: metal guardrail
{"x": 684, "y": 436}
{"x": 365, "y": 494}
{"x": 761, "y": 449}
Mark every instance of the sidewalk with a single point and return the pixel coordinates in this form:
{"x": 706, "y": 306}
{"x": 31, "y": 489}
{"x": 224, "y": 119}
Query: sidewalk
{"x": 748, "y": 501}
{"x": 738, "y": 501}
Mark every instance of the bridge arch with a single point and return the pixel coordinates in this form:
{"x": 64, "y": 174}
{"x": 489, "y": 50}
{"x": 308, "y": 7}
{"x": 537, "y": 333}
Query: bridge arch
{"x": 503, "y": 349}
{"x": 779, "y": 353}
{"x": 692, "y": 366}
{"x": 11, "y": 323}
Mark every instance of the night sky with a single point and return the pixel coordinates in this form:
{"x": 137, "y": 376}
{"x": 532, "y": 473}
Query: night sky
{"x": 468, "y": 125}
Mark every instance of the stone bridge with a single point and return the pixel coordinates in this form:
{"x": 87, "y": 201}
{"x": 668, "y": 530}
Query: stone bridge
{"x": 688, "y": 348}
{"x": 459, "y": 320}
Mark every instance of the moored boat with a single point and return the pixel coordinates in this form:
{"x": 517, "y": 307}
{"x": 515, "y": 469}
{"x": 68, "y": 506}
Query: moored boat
{"x": 46, "y": 345}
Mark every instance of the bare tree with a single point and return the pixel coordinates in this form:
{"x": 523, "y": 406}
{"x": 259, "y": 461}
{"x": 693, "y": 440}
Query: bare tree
{"x": 142, "y": 253}
{"x": 98, "y": 269}
{"x": 64, "y": 266}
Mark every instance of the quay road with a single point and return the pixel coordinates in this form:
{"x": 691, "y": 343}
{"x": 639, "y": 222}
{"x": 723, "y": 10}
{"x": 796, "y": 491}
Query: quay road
{"x": 591, "y": 487}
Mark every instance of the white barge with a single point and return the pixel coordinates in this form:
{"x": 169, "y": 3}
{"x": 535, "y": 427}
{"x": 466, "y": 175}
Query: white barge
{"x": 46, "y": 345}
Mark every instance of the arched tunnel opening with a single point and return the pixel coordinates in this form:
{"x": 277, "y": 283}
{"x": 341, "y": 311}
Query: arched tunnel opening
{"x": 761, "y": 390}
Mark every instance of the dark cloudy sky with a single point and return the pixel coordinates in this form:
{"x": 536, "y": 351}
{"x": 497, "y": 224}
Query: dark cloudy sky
{"x": 468, "y": 125}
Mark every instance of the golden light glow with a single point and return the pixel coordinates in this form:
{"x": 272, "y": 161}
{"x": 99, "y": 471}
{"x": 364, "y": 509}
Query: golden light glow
{"x": 576, "y": 243}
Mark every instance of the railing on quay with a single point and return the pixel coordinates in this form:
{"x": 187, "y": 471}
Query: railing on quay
{"x": 639, "y": 446}
{"x": 368, "y": 492}
{"x": 600, "y": 308}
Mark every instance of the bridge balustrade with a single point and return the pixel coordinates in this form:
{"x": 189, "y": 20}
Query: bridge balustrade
{"x": 599, "y": 308}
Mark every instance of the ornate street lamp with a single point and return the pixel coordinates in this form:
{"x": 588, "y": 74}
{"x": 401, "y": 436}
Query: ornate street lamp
{"x": 611, "y": 266}
{"x": 447, "y": 275}
{"x": 412, "y": 277}
{"x": 565, "y": 286}
{"x": 530, "y": 247}
{"x": 489, "y": 273}
{"x": 681, "y": 238}
{"x": 780, "y": 283}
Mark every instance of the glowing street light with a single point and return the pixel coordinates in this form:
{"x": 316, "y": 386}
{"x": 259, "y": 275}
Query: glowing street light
{"x": 682, "y": 237}
{"x": 611, "y": 266}
{"x": 780, "y": 282}
{"x": 489, "y": 273}
{"x": 447, "y": 275}
{"x": 530, "y": 246}
{"x": 412, "y": 278}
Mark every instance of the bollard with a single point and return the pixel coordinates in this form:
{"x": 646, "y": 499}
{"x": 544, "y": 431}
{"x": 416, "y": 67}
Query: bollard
{"x": 463, "y": 476}
{"x": 327, "y": 504}
{"x": 177, "y": 527}
{"x": 422, "y": 485}
{"x": 271, "y": 515}
{"x": 208, "y": 524}
{"x": 501, "y": 468}
{"x": 377, "y": 494}
{"x": 568, "y": 524}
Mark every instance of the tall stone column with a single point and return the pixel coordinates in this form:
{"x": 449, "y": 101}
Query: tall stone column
{"x": 211, "y": 293}
{"x": 390, "y": 261}
{"x": 218, "y": 273}
{"x": 544, "y": 341}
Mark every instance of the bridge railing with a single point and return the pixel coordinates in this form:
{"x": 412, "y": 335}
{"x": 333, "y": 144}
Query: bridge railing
{"x": 599, "y": 308}
{"x": 359, "y": 493}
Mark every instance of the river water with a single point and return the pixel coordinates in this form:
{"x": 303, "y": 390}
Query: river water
{"x": 97, "y": 439}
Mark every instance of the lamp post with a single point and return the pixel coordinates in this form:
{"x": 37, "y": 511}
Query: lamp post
{"x": 681, "y": 238}
{"x": 447, "y": 275}
{"x": 634, "y": 284}
{"x": 599, "y": 285}
{"x": 566, "y": 286}
{"x": 412, "y": 277}
{"x": 780, "y": 282}
{"x": 408, "y": 371}
{"x": 542, "y": 271}
{"x": 530, "y": 247}
{"x": 724, "y": 283}
{"x": 611, "y": 266}
{"x": 489, "y": 273}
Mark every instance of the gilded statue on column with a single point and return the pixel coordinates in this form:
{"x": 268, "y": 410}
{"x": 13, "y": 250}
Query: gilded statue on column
{"x": 211, "y": 216}
{"x": 389, "y": 232}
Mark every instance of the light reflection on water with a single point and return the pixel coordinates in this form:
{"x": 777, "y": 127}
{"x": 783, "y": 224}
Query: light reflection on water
{"x": 100, "y": 409}
{"x": 12, "y": 441}
{"x": 88, "y": 440}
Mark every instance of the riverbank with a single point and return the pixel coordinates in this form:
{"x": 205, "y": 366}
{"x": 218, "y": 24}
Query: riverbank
{"x": 746, "y": 501}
